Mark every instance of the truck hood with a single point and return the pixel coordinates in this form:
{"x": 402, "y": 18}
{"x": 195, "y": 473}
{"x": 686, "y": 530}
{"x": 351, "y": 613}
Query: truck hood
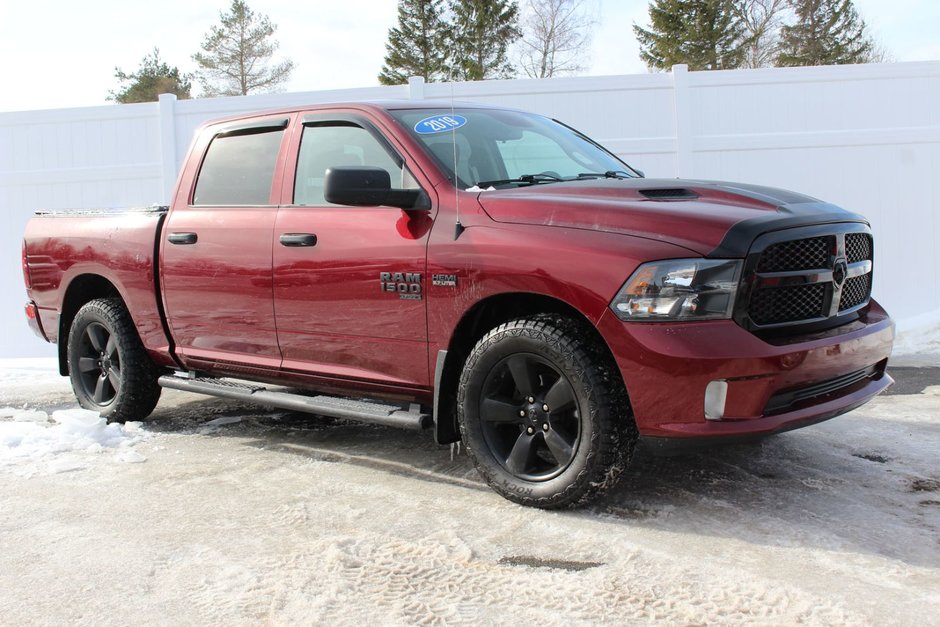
{"x": 711, "y": 218}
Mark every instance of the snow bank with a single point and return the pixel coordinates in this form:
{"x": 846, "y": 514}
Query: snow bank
{"x": 30, "y": 443}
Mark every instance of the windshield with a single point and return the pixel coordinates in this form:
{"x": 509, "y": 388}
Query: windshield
{"x": 493, "y": 148}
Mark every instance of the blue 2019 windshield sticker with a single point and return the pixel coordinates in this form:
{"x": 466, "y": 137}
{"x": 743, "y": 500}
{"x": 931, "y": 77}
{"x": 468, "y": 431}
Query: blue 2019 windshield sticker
{"x": 439, "y": 124}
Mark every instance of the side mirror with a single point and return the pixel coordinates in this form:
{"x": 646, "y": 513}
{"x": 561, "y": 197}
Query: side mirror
{"x": 364, "y": 186}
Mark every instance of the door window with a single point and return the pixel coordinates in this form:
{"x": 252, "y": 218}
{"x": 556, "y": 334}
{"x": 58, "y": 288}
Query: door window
{"x": 324, "y": 146}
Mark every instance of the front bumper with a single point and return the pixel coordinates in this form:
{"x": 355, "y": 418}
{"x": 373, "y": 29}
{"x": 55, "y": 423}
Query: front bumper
{"x": 771, "y": 387}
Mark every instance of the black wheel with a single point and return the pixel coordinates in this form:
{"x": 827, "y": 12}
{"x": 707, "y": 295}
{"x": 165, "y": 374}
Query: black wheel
{"x": 111, "y": 372}
{"x": 543, "y": 412}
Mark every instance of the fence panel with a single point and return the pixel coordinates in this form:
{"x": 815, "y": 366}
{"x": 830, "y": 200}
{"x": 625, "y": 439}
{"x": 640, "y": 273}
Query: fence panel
{"x": 863, "y": 137}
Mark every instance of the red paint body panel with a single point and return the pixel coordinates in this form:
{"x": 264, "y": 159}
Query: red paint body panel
{"x": 491, "y": 259}
{"x": 117, "y": 247}
{"x": 332, "y": 316}
{"x": 239, "y": 303}
{"x": 218, "y": 291}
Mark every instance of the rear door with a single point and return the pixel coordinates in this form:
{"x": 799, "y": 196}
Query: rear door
{"x": 349, "y": 299}
{"x": 216, "y": 251}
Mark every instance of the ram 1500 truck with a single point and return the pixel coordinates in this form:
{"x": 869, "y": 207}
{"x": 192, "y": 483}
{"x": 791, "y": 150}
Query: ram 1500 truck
{"x": 490, "y": 274}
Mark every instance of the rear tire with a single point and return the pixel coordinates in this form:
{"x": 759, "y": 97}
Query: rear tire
{"x": 110, "y": 371}
{"x": 544, "y": 414}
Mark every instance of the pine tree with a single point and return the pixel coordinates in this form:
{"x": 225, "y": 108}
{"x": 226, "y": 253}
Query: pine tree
{"x": 826, "y": 32}
{"x": 481, "y": 32}
{"x": 236, "y": 55}
{"x": 152, "y": 78}
{"x": 416, "y": 47}
{"x": 704, "y": 34}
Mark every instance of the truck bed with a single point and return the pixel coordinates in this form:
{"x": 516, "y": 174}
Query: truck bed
{"x": 117, "y": 246}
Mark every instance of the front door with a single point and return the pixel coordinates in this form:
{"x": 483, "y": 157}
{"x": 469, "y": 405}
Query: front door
{"x": 349, "y": 282}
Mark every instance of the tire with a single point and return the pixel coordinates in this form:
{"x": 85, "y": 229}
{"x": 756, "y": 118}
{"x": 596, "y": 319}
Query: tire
{"x": 110, "y": 371}
{"x": 527, "y": 450}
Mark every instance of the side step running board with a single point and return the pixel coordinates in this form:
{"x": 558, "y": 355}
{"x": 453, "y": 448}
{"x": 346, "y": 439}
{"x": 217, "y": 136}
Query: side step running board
{"x": 380, "y": 413}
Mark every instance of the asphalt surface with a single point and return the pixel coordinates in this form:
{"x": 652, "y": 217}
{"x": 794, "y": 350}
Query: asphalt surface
{"x": 910, "y": 380}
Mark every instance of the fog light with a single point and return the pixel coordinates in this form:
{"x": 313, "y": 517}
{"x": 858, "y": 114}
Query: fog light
{"x": 716, "y": 394}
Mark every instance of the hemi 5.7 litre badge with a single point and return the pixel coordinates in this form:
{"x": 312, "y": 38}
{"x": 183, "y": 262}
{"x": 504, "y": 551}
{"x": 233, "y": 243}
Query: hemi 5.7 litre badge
{"x": 444, "y": 280}
{"x": 406, "y": 284}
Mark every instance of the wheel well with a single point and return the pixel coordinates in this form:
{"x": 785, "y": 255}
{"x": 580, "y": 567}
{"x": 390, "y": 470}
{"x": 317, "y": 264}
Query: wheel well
{"x": 82, "y": 289}
{"x": 478, "y": 321}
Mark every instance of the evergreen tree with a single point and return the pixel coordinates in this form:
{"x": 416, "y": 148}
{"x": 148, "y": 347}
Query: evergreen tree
{"x": 152, "y": 78}
{"x": 826, "y": 32}
{"x": 416, "y": 47}
{"x": 481, "y": 32}
{"x": 236, "y": 55}
{"x": 704, "y": 34}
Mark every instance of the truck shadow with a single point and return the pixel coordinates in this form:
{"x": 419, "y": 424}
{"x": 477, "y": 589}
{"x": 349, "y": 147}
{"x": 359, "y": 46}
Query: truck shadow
{"x": 804, "y": 488}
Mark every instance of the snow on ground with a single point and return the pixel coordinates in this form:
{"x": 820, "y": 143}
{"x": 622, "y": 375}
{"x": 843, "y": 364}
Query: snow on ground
{"x": 240, "y": 515}
{"x": 31, "y": 441}
{"x": 36, "y": 441}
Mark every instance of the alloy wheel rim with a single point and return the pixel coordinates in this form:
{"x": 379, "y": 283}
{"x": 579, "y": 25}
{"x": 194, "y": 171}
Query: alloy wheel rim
{"x": 530, "y": 417}
{"x": 99, "y": 364}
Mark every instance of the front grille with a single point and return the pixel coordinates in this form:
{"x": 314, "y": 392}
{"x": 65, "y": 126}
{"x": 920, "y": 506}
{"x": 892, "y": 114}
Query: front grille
{"x": 857, "y": 247}
{"x": 855, "y": 292}
{"x": 787, "y": 304}
{"x": 800, "y": 254}
{"x": 793, "y": 282}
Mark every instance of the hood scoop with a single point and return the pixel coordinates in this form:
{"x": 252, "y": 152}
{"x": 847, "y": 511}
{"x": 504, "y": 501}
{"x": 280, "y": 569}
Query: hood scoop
{"x": 668, "y": 193}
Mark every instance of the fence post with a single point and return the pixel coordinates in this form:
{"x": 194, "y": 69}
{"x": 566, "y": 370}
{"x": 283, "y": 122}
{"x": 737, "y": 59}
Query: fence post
{"x": 683, "y": 107}
{"x": 167, "y": 113}
{"x": 416, "y": 88}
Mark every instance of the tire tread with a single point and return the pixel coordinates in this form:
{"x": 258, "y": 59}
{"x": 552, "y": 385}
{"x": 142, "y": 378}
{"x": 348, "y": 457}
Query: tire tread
{"x": 140, "y": 391}
{"x": 614, "y": 434}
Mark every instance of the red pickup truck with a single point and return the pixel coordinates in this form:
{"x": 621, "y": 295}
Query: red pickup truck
{"x": 490, "y": 274}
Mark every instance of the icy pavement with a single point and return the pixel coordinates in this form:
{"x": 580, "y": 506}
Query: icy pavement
{"x": 243, "y": 516}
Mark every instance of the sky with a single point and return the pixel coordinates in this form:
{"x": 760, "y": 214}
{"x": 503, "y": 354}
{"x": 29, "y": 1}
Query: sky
{"x": 62, "y": 53}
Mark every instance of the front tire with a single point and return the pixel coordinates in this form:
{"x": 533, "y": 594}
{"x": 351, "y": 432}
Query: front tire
{"x": 544, "y": 414}
{"x": 110, "y": 371}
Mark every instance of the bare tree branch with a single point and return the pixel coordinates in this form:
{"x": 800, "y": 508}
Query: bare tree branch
{"x": 762, "y": 19}
{"x": 556, "y": 37}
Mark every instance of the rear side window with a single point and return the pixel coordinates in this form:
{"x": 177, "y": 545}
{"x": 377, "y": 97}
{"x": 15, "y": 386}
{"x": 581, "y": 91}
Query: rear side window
{"x": 239, "y": 168}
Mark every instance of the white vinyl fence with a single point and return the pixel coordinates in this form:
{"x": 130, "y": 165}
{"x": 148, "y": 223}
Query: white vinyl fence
{"x": 864, "y": 137}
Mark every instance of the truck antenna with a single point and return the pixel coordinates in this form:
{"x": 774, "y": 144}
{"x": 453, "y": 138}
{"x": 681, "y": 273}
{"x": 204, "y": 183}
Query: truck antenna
{"x": 458, "y": 227}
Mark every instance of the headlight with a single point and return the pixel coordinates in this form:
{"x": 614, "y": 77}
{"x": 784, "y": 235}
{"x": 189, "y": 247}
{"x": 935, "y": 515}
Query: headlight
{"x": 679, "y": 289}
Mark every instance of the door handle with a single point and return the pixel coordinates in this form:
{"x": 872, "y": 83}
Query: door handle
{"x": 298, "y": 239}
{"x": 182, "y": 238}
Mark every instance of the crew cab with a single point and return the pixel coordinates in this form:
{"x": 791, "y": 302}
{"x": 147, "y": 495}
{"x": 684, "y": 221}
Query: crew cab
{"x": 489, "y": 274}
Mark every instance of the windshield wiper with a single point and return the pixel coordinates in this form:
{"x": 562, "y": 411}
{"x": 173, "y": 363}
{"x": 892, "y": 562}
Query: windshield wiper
{"x": 527, "y": 179}
{"x": 609, "y": 174}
